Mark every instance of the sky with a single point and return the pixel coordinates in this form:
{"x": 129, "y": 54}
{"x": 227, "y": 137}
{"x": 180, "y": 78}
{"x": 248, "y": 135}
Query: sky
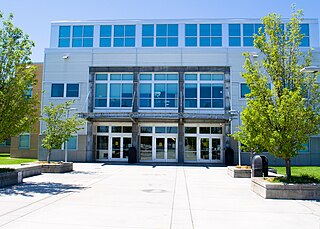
{"x": 35, "y": 16}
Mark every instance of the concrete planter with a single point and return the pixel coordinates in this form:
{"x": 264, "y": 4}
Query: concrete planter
{"x": 57, "y": 167}
{"x": 270, "y": 190}
{"x": 235, "y": 172}
{"x": 10, "y": 178}
{"x": 29, "y": 170}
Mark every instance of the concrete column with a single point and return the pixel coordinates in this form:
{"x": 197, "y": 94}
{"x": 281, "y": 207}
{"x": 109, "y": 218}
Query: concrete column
{"x": 135, "y": 138}
{"x": 90, "y": 145}
{"x": 91, "y": 92}
{"x": 181, "y": 141}
{"x": 135, "y": 91}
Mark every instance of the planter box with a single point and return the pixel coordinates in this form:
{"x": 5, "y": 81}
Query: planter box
{"x": 235, "y": 172}
{"x": 270, "y": 190}
{"x": 57, "y": 168}
{"x": 29, "y": 170}
{"x": 10, "y": 178}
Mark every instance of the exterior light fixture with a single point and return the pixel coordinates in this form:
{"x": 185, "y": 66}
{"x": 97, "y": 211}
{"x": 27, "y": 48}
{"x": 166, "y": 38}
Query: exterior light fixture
{"x": 65, "y": 57}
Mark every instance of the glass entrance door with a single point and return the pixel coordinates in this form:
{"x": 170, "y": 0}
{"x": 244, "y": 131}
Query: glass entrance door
{"x": 160, "y": 145}
{"x": 146, "y": 148}
{"x": 126, "y": 146}
{"x": 166, "y": 149}
{"x": 102, "y": 147}
{"x": 116, "y": 147}
{"x": 216, "y": 149}
{"x": 204, "y": 149}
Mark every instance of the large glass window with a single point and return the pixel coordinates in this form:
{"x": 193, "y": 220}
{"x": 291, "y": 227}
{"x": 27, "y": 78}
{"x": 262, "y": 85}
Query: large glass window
{"x": 24, "y": 141}
{"x": 105, "y": 35}
{"x": 248, "y": 32}
{"x": 121, "y": 95}
{"x": 210, "y": 35}
{"x": 147, "y": 35}
{"x": 191, "y": 32}
{"x": 82, "y": 36}
{"x": 191, "y": 95}
{"x": 304, "y": 29}
{"x": 145, "y": 94}
{"x": 57, "y": 90}
{"x": 124, "y": 36}
{"x": 167, "y": 35}
{"x": 234, "y": 35}
{"x": 101, "y": 95}
{"x": 72, "y": 143}
{"x": 64, "y": 36}
{"x": 165, "y": 95}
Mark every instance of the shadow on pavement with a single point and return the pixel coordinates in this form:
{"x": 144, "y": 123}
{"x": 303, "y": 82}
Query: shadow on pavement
{"x": 30, "y": 188}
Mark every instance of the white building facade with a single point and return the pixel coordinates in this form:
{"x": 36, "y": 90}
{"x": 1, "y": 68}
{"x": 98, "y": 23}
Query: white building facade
{"x": 164, "y": 87}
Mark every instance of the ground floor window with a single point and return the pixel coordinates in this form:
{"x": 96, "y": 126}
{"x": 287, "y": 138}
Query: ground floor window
{"x": 24, "y": 141}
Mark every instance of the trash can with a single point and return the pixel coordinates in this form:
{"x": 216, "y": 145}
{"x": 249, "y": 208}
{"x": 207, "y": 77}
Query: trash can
{"x": 265, "y": 165}
{"x": 229, "y": 156}
{"x": 256, "y": 168}
{"x": 132, "y": 157}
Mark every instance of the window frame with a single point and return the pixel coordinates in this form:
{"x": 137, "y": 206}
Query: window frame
{"x": 65, "y": 85}
{"x": 24, "y": 147}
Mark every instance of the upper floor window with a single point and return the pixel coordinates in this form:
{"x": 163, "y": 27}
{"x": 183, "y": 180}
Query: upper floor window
{"x": 65, "y": 90}
{"x": 105, "y": 35}
{"x": 304, "y": 29}
{"x": 158, "y": 90}
{"x": 248, "y": 31}
{"x": 113, "y": 90}
{"x": 204, "y": 90}
{"x": 124, "y": 36}
{"x": 167, "y": 35}
{"x": 244, "y": 89}
{"x": 210, "y": 35}
{"x": 147, "y": 35}
{"x": 191, "y": 33}
{"x": 82, "y": 36}
{"x": 234, "y": 35}
{"x": 64, "y": 36}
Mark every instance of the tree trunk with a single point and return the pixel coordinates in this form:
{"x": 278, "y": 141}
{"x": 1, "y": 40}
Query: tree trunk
{"x": 288, "y": 168}
{"x": 48, "y": 156}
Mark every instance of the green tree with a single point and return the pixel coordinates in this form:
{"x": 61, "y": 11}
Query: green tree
{"x": 18, "y": 112}
{"x": 279, "y": 119}
{"x": 59, "y": 129}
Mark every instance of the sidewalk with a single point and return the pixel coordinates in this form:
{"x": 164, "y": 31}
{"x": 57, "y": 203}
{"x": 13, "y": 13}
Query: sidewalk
{"x": 123, "y": 196}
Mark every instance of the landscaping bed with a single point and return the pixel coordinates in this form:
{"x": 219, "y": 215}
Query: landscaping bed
{"x": 274, "y": 190}
{"x": 56, "y": 167}
{"x": 239, "y": 171}
{"x": 9, "y": 177}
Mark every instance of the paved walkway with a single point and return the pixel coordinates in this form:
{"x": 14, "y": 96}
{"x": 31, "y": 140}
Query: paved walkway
{"x": 119, "y": 196}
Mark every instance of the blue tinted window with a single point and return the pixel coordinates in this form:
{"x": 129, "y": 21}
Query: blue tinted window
{"x": 216, "y": 30}
{"x": 147, "y": 42}
{"x": 88, "y": 31}
{"x": 77, "y": 31}
{"x": 101, "y": 95}
{"x": 248, "y": 29}
{"x": 82, "y": 36}
{"x": 72, "y": 90}
{"x": 234, "y": 41}
{"x": 24, "y": 141}
{"x": 124, "y": 36}
{"x": 190, "y": 76}
{"x": 173, "y": 30}
{"x": 234, "y": 30}
{"x": 64, "y": 42}
{"x": 148, "y": 30}
{"x": 304, "y": 29}
{"x": 105, "y": 42}
{"x": 257, "y": 27}
{"x": 57, "y": 90}
{"x": 210, "y": 35}
{"x": 102, "y": 77}
{"x": 244, "y": 89}
{"x": 191, "y": 30}
{"x": 145, "y": 77}
{"x": 145, "y": 95}
{"x": 162, "y": 30}
{"x": 119, "y": 30}
{"x": 64, "y": 31}
{"x": 105, "y": 31}
{"x": 167, "y": 35}
{"x": 248, "y": 41}
{"x": 64, "y": 36}
{"x": 191, "y": 35}
{"x": 72, "y": 143}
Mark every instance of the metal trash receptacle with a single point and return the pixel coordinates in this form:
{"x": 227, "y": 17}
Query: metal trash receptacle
{"x": 132, "y": 157}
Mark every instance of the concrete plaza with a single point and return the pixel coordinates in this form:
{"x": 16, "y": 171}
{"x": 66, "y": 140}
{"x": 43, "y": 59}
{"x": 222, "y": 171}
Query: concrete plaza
{"x": 147, "y": 197}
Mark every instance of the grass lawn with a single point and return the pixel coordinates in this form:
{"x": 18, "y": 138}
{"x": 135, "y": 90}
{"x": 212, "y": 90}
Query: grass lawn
{"x": 299, "y": 170}
{"x": 6, "y": 160}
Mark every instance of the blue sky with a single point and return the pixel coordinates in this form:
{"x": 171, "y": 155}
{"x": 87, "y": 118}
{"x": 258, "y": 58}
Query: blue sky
{"x": 34, "y": 16}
